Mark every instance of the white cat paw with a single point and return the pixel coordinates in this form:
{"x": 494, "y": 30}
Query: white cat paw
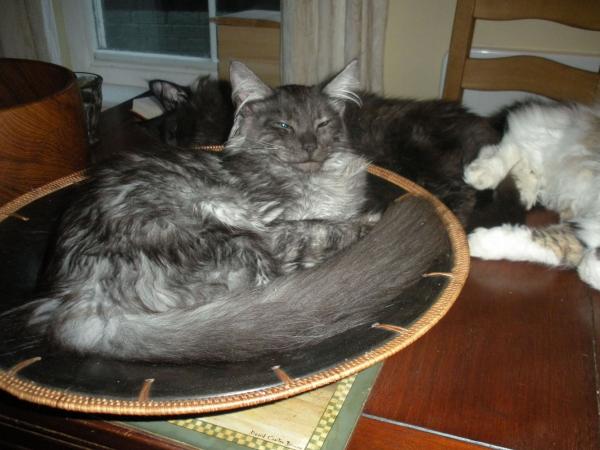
{"x": 512, "y": 242}
{"x": 483, "y": 243}
{"x": 370, "y": 218}
{"x": 528, "y": 198}
{"x": 589, "y": 269}
{"x": 485, "y": 173}
{"x": 527, "y": 183}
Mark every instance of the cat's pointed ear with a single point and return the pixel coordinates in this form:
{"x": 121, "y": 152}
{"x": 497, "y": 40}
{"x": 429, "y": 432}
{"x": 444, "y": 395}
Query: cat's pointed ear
{"x": 169, "y": 94}
{"x": 345, "y": 85}
{"x": 246, "y": 86}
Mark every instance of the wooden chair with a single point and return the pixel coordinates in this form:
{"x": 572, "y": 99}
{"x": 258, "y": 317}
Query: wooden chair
{"x": 520, "y": 73}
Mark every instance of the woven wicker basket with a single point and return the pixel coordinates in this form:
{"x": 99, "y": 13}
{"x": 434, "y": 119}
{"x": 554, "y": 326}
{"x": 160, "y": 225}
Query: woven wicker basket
{"x": 95, "y": 385}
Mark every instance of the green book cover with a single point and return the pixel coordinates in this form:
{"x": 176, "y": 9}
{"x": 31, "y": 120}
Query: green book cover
{"x": 322, "y": 419}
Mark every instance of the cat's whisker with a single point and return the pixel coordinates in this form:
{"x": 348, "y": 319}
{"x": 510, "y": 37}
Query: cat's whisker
{"x": 350, "y": 96}
{"x": 256, "y": 145}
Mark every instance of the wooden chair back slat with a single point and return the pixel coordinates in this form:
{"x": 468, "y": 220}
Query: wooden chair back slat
{"x": 520, "y": 73}
{"x": 531, "y": 74}
{"x": 575, "y": 13}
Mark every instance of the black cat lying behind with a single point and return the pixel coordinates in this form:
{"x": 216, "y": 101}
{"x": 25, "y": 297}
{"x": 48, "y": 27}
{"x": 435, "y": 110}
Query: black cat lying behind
{"x": 428, "y": 142}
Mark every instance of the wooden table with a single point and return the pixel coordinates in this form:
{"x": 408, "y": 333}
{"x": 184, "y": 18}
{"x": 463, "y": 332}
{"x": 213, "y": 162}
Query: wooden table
{"x": 514, "y": 364}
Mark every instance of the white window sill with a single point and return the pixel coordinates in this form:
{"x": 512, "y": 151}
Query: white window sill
{"x": 114, "y": 94}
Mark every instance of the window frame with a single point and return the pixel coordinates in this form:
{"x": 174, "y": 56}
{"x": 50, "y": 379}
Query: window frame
{"x": 126, "y": 73}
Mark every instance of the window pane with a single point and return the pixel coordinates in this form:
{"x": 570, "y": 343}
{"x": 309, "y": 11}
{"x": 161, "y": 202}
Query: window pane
{"x": 176, "y": 27}
{"x": 233, "y": 6}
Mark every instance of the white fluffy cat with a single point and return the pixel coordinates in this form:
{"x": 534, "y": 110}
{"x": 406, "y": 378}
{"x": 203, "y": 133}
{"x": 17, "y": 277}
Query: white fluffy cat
{"x": 553, "y": 152}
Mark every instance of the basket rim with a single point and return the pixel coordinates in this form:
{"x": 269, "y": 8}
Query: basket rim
{"x": 72, "y": 80}
{"x": 145, "y": 406}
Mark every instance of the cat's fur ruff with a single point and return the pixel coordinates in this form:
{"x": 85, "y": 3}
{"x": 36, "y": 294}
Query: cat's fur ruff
{"x": 183, "y": 255}
{"x": 428, "y": 142}
{"x": 552, "y": 150}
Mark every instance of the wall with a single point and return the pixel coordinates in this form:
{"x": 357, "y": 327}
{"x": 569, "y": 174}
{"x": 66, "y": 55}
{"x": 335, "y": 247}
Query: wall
{"x": 418, "y": 37}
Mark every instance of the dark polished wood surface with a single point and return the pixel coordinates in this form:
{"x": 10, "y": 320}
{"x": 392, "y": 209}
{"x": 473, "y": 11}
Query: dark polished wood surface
{"x": 513, "y": 364}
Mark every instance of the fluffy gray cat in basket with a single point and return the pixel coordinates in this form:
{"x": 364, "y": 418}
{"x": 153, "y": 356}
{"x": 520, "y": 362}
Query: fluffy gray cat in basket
{"x": 178, "y": 255}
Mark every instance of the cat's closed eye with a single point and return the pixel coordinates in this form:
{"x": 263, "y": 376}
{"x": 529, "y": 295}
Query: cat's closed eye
{"x": 323, "y": 123}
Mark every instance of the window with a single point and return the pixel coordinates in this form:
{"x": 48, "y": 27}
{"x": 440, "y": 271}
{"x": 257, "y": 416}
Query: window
{"x": 176, "y": 27}
{"x": 130, "y": 42}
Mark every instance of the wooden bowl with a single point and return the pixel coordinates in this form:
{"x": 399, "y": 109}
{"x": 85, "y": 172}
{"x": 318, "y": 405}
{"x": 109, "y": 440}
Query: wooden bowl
{"x": 97, "y": 385}
{"x": 42, "y": 129}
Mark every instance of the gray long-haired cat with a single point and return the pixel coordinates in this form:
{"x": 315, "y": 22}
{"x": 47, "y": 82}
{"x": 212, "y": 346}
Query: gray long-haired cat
{"x": 181, "y": 255}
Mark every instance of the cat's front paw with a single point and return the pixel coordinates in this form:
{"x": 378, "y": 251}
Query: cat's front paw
{"x": 497, "y": 242}
{"x": 362, "y": 228}
{"x": 370, "y": 218}
{"x": 482, "y": 244}
{"x": 527, "y": 185}
{"x": 366, "y": 222}
{"x": 485, "y": 173}
{"x": 528, "y": 198}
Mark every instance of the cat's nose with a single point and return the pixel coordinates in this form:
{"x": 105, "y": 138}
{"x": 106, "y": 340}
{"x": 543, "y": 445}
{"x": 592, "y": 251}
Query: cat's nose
{"x": 309, "y": 147}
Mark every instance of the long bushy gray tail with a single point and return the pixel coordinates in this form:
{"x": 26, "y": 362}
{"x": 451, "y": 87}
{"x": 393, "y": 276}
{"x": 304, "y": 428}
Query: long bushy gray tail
{"x": 301, "y": 309}
{"x": 293, "y": 311}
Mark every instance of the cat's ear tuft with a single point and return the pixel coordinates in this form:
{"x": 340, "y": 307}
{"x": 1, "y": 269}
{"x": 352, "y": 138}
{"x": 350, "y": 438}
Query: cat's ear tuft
{"x": 169, "y": 94}
{"x": 199, "y": 83}
{"x": 246, "y": 86}
{"x": 345, "y": 85}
